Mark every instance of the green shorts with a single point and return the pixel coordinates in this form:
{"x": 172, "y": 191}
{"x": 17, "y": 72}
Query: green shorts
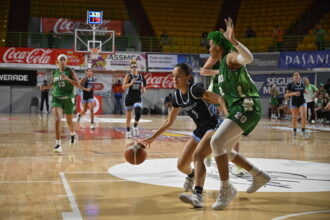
{"x": 273, "y": 101}
{"x": 247, "y": 120}
{"x": 67, "y": 104}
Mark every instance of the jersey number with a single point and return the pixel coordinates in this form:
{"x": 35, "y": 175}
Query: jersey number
{"x": 61, "y": 83}
{"x": 242, "y": 118}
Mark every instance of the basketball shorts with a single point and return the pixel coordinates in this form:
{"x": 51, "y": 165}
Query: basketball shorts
{"x": 247, "y": 120}
{"x": 200, "y": 131}
{"x": 131, "y": 103}
{"x": 67, "y": 104}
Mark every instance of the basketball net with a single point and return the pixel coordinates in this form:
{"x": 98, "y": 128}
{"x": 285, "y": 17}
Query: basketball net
{"x": 94, "y": 53}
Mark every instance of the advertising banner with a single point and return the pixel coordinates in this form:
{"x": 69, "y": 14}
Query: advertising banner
{"x": 264, "y": 82}
{"x": 24, "y": 55}
{"x": 67, "y": 26}
{"x": 18, "y": 77}
{"x": 156, "y": 80}
{"x": 304, "y": 60}
{"x": 191, "y": 60}
{"x": 165, "y": 62}
{"x": 264, "y": 62}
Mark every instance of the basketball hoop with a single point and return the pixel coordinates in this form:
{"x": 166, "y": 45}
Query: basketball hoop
{"x": 94, "y": 53}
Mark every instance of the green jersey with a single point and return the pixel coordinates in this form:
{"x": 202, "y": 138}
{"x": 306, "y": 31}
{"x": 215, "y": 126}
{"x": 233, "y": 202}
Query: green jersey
{"x": 310, "y": 91}
{"x": 62, "y": 88}
{"x": 234, "y": 85}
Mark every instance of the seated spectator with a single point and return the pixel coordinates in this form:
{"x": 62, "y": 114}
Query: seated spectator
{"x": 249, "y": 33}
{"x": 322, "y": 90}
{"x": 164, "y": 39}
{"x": 323, "y": 110}
{"x": 168, "y": 103}
{"x": 284, "y": 109}
{"x": 327, "y": 87}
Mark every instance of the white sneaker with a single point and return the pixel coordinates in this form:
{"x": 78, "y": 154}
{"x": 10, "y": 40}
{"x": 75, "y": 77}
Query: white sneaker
{"x": 195, "y": 199}
{"x": 304, "y": 135}
{"x": 261, "y": 179}
{"x": 78, "y": 117}
{"x": 188, "y": 184}
{"x": 92, "y": 126}
{"x": 73, "y": 139}
{"x": 226, "y": 195}
{"x": 136, "y": 131}
{"x": 294, "y": 135}
{"x": 58, "y": 149}
{"x": 128, "y": 134}
{"x": 208, "y": 161}
{"x": 313, "y": 121}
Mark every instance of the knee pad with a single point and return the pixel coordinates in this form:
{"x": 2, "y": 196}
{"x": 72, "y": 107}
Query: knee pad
{"x": 218, "y": 147}
{"x": 138, "y": 112}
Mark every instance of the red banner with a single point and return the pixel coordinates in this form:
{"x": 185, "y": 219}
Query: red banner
{"x": 67, "y": 26}
{"x": 26, "y": 55}
{"x": 157, "y": 80}
{"x": 97, "y": 105}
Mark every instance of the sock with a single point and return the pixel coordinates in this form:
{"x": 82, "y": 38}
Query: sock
{"x": 58, "y": 142}
{"x": 295, "y": 130}
{"x": 128, "y": 129}
{"x": 303, "y": 129}
{"x": 135, "y": 124}
{"x": 225, "y": 183}
{"x": 192, "y": 174}
{"x": 92, "y": 122}
{"x": 198, "y": 190}
{"x": 254, "y": 171}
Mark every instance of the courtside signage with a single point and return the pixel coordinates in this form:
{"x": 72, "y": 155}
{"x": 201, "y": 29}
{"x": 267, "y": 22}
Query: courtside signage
{"x": 18, "y": 77}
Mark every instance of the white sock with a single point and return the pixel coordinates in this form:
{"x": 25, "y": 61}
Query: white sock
{"x": 58, "y": 142}
{"x": 225, "y": 183}
{"x": 254, "y": 171}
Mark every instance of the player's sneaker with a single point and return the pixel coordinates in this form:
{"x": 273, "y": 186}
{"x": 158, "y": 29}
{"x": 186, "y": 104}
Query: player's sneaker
{"x": 238, "y": 171}
{"x": 225, "y": 196}
{"x": 73, "y": 139}
{"x": 92, "y": 126}
{"x": 58, "y": 149}
{"x": 294, "y": 135}
{"x": 304, "y": 135}
{"x": 194, "y": 199}
{"x": 78, "y": 117}
{"x": 136, "y": 131}
{"x": 208, "y": 161}
{"x": 261, "y": 179}
{"x": 128, "y": 134}
{"x": 188, "y": 184}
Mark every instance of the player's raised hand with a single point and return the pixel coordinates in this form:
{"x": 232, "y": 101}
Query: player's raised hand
{"x": 229, "y": 33}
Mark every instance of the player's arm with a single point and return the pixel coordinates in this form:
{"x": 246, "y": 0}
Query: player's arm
{"x": 126, "y": 84}
{"x": 82, "y": 82}
{"x": 167, "y": 124}
{"x": 74, "y": 81}
{"x": 144, "y": 84}
{"x": 206, "y": 70}
{"x": 213, "y": 98}
{"x": 290, "y": 93}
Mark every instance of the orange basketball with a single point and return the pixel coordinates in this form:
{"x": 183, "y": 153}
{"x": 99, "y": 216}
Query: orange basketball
{"x": 135, "y": 154}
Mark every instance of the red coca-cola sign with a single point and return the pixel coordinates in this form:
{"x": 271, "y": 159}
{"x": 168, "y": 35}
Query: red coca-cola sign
{"x": 68, "y": 26}
{"x": 159, "y": 80}
{"x": 22, "y": 55}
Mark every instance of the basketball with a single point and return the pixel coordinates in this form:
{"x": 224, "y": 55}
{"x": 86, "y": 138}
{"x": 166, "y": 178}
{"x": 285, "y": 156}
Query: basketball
{"x": 135, "y": 154}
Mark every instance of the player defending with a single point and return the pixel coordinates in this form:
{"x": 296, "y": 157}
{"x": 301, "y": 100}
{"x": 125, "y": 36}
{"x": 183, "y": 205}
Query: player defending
{"x": 243, "y": 105}
{"x": 135, "y": 84}
{"x": 87, "y": 96}
{"x": 63, "y": 81}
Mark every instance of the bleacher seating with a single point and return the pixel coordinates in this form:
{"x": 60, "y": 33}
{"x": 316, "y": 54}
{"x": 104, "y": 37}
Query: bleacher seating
{"x": 112, "y": 9}
{"x": 4, "y": 13}
{"x": 183, "y": 21}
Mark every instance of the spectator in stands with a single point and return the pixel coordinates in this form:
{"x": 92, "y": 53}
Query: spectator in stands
{"x": 322, "y": 90}
{"x": 249, "y": 33}
{"x": 320, "y": 34}
{"x": 164, "y": 39}
{"x": 278, "y": 38}
{"x": 118, "y": 91}
{"x": 327, "y": 87}
{"x": 284, "y": 108}
{"x": 204, "y": 40}
{"x": 310, "y": 92}
{"x": 44, "y": 97}
{"x": 273, "y": 101}
{"x": 168, "y": 103}
{"x": 323, "y": 110}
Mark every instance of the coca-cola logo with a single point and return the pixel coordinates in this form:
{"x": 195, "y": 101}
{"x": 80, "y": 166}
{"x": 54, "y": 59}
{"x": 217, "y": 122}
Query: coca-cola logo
{"x": 64, "y": 25}
{"x": 35, "y": 56}
{"x": 164, "y": 81}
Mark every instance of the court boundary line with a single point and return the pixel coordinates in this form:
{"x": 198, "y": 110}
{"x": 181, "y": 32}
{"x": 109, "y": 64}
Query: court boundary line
{"x": 299, "y": 214}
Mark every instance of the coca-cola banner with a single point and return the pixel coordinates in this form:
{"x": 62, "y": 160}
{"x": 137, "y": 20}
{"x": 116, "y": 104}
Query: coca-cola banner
{"x": 22, "y": 55}
{"x": 18, "y": 77}
{"x": 158, "y": 80}
{"x": 67, "y": 26}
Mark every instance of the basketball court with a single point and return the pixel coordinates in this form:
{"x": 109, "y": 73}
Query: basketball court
{"x": 92, "y": 180}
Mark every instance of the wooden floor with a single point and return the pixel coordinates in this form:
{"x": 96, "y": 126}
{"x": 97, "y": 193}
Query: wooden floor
{"x": 38, "y": 184}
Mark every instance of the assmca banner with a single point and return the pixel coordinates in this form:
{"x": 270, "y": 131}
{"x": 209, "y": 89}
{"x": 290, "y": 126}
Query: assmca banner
{"x": 304, "y": 60}
{"x": 264, "y": 82}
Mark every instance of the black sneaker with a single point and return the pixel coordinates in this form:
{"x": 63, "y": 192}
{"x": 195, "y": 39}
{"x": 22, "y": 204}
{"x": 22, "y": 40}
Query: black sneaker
{"x": 78, "y": 117}
{"x": 73, "y": 139}
{"x": 58, "y": 149}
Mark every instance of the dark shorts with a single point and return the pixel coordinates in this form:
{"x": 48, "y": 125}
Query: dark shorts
{"x": 131, "y": 103}
{"x": 200, "y": 131}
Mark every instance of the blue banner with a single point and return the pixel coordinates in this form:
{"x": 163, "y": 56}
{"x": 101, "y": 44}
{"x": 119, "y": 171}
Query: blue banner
{"x": 264, "y": 82}
{"x": 304, "y": 60}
